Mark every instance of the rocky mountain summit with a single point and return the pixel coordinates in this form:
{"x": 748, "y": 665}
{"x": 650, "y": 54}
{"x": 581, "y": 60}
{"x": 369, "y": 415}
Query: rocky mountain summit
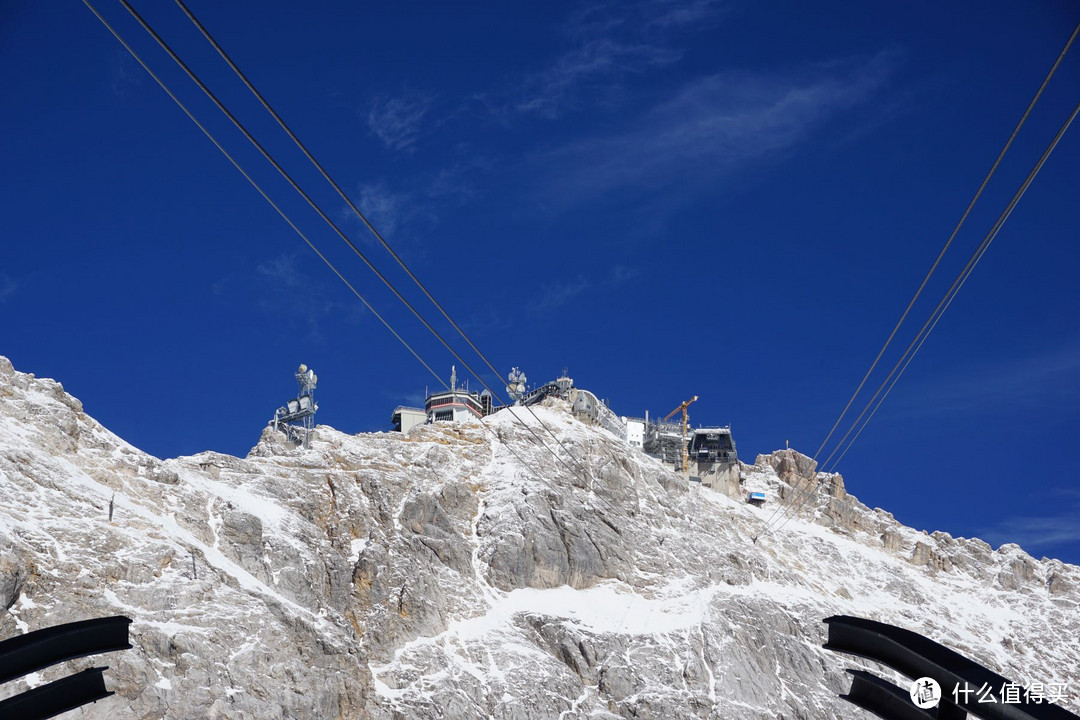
{"x": 463, "y": 571}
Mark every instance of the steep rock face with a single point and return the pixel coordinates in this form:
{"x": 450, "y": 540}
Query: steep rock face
{"x": 466, "y": 572}
{"x": 214, "y": 634}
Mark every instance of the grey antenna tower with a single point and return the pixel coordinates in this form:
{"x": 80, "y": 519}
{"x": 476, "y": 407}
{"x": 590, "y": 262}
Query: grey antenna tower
{"x": 297, "y": 418}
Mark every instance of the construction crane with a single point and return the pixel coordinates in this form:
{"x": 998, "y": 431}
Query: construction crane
{"x": 685, "y": 424}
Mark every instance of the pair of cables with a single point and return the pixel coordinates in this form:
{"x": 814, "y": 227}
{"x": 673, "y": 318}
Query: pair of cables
{"x": 781, "y": 517}
{"x": 307, "y": 198}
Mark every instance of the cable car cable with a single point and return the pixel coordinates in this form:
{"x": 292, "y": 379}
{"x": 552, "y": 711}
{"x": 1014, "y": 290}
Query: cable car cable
{"x": 1012, "y": 137}
{"x": 266, "y": 197}
{"x": 965, "y": 273}
{"x": 967, "y": 211}
{"x": 954, "y": 290}
{"x": 202, "y": 86}
{"x": 348, "y": 201}
{"x": 952, "y": 236}
{"x": 262, "y": 192}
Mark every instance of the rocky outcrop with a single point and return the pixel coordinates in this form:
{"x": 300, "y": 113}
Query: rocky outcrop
{"x": 924, "y": 554}
{"x": 14, "y": 571}
{"x": 790, "y": 466}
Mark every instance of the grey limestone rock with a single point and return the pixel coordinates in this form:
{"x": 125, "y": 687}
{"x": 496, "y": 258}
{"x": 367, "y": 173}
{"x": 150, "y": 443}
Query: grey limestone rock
{"x": 14, "y": 571}
{"x": 790, "y": 466}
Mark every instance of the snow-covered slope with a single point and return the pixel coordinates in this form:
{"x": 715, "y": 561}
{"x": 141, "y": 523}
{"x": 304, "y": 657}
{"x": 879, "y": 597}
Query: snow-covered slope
{"x": 467, "y": 573}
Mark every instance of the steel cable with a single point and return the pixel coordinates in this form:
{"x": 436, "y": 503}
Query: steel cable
{"x": 957, "y": 284}
{"x": 952, "y": 236}
{"x": 352, "y": 206}
{"x": 277, "y": 166}
{"x": 811, "y": 489}
{"x": 924, "y": 333}
{"x": 291, "y": 224}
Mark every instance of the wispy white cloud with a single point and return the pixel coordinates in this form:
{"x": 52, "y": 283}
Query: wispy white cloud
{"x": 7, "y": 287}
{"x": 554, "y": 295}
{"x": 487, "y": 319}
{"x": 588, "y": 71}
{"x": 127, "y": 76}
{"x": 714, "y": 126}
{"x": 622, "y": 273}
{"x": 605, "y": 43}
{"x": 403, "y": 218}
{"x": 396, "y": 121}
{"x": 386, "y": 209}
{"x": 281, "y": 269}
{"x": 454, "y": 183}
{"x": 1041, "y": 533}
{"x": 284, "y": 289}
{"x": 682, "y": 13}
{"x": 1051, "y": 375}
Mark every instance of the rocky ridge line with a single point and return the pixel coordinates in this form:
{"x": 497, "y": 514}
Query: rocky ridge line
{"x": 430, "y": 575}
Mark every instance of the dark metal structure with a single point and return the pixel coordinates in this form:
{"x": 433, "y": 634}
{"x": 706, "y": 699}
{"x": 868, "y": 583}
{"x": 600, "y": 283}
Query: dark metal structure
{"x": 33, "y": 651}
{"x": 978, "y": 690}
{"x": 712, "y": 445}
{"x": 44, "y": 648}
{"x": 885, "y": 700}
{"x": 297, "y": 417}
{"x": 57, "y": 697}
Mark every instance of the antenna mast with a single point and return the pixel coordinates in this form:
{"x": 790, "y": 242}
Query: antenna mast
{"x": 297, "y": 418}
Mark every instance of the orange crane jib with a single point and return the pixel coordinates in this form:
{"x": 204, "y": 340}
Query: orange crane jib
{"x": 681, "y": 408}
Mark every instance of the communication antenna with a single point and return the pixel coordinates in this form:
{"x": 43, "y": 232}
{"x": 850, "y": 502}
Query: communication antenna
{"x": 515, "y": 384}
{"x": 297, "y": 418}
{"x": 563, "y": 383}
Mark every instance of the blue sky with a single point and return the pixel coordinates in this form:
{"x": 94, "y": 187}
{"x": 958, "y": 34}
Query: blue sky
{"x": 728, "y": 199}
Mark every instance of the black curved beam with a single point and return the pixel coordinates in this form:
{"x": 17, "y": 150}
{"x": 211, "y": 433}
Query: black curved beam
{"x": 889, "y": 702}
{"x": 46, "y": 647}
{"x": 917, "y": 656}
{"x": 57, "y": 697}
